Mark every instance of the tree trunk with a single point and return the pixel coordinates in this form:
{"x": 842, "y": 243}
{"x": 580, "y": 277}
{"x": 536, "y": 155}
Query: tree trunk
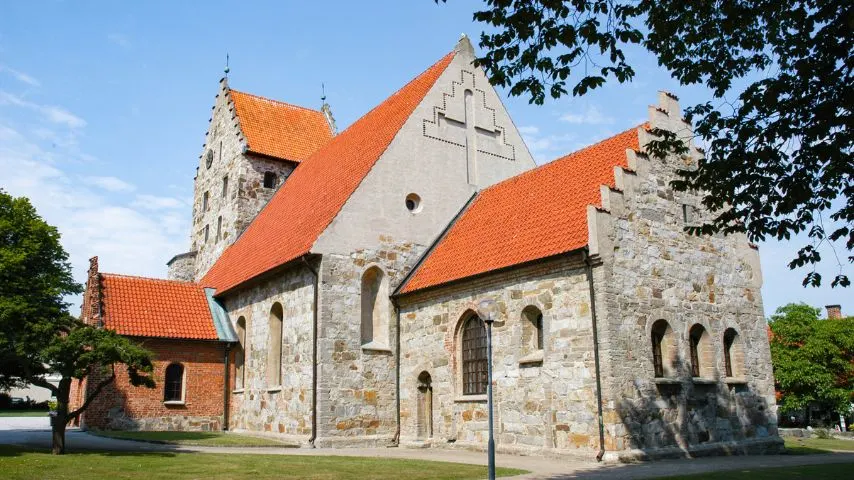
{"x": 58, "y": 440}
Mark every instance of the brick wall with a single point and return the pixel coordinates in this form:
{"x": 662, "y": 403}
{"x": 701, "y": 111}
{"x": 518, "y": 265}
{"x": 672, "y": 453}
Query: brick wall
{"x": 122, "y": 406}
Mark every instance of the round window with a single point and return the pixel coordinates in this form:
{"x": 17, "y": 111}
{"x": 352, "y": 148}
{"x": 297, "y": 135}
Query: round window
{"x": 209, "y": 159}
{"x": 413, "y": 203}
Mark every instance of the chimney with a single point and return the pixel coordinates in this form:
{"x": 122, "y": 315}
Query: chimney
{"x": 834, "y": 312}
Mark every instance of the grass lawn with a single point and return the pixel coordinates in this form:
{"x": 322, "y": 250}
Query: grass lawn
{"x": 209, "y": 439}
{"x": 807, "y": 446}
{"x": 831, "y": 471}
{"x": 23, "y": 413}
{"x": 19, "y": 463}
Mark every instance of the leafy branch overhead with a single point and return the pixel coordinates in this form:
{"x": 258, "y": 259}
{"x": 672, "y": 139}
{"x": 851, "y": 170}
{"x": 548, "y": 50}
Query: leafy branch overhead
{"x": 778, "y": 125}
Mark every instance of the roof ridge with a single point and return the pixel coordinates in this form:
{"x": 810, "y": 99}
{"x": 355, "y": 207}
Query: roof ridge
{"x": 261, "y": 97}
{"x": 139, "y": 277}
{"x": 558, "y": 159}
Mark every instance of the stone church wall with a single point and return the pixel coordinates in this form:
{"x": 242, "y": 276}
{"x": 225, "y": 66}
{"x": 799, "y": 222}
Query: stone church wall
{"x": 121, "y": 406}
{"x": 547, "y": 405}
{"x": 652, "y": 269}
{"x": 259, "y": 407}
{"x": 357, "y": 404}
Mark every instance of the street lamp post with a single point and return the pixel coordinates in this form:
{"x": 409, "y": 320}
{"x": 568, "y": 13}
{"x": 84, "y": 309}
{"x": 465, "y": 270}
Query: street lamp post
{"x": 487, "y": 310}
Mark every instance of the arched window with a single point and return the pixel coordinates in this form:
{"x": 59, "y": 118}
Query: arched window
{"x": 219, "y": 228}
{"x": 375, "y": 309}
{"x": 173, "y": 385}
{"x": 474, "y": 357}
{"x": 270, "y": 180}
{"x": 274, "y": 346}
{"x": 424, "y": 417}
{"x": 702, "y": 357}
{"x": 532, "y": 329}
{"x": 663, "y": 349}
{"x": 240, "y": 354}
{"x": 733, "y": 354}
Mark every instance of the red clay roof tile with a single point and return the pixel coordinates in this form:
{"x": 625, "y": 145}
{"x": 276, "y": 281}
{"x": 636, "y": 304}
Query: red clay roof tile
{"x": 534, "y": 215}
{"x": 311, "y": 198}
{"x": 278, "y": 129}
{"x": 149, "y": 307}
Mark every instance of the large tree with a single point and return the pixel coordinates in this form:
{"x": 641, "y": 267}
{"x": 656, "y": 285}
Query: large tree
{"x": 813, "y": 359}
{"x": 37, "y": 334}
{"x": 778, "y": 125}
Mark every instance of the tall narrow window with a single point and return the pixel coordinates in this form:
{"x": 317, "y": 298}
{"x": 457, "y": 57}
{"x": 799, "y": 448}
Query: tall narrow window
{"x": 224, "y": 186}
{"x": 207, "y": 232}
{"x": 733, "y": 355}
{"x": 274, "y": 346}
{"x": 663, "y": 349}
{"x": 270, "y": 180}
{"x": 375, "y": 309}
{"x": 240, "y": 354}
{"x": 701, "y": 354}
{"x": 205, "y": 201}
{"x": 532, "y": 334}
{"x": 218, "y": 228}
{"x": 173, "y": 385}
{"x": 474, "y": 357}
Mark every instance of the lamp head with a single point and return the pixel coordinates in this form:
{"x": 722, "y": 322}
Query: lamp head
{"x": 487, "y": 309}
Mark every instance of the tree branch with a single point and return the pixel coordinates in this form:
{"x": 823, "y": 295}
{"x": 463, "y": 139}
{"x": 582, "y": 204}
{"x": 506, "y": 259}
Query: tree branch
{"x": 101, "y": 385}
{"x": 40, "y": 382}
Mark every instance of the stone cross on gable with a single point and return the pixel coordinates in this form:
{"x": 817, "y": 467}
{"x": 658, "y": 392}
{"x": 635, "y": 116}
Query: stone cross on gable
{"x": 465, "y": 120}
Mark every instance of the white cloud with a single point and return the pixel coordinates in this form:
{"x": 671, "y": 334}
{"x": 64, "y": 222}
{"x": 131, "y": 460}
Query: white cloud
{"x": 20, "y": 76}
{"x": 545, "y": 148}
{"x": 111, "y": 184}
{"x": 52, "y": 113}
{"x": 119, "y": 39}
{"x": 591, "y": 116}
{"x": 153, "y": 202}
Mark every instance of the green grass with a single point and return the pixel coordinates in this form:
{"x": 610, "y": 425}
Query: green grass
{"x": 208, "y": 439}
{"x": 19, "y": 463}
{"x": 809, "y": 446}
{"x": 23, "y": 413}
{"x": 831, "y": 471}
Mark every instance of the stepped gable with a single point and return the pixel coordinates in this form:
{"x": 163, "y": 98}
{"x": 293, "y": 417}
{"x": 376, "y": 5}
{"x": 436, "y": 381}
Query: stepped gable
{"x": 279, "y": 130}
{"x": 534, "y": 215}
{"x": 313, "y": 195}
{"x": 150, "y": 307}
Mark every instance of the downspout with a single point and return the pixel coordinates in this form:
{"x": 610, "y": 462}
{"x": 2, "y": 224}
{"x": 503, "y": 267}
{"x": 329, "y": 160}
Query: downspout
{"x": 313, "y": 351}
{"x": 395, "y": 442}
{"x": 589, "y": 268}
{"x": 225, "y": 389}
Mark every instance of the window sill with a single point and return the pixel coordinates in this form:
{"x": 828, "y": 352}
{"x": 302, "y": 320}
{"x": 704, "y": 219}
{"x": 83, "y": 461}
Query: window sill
{"x": 667, "y": 381}
{"x": 277, "y": 388}
{"x": 376, "y": 347}
{"x": 471, "y": 399}
{"x": 173, "y": 403}
{"x": 237, "y": 390}
{"x": 536, "y": 357}
{"x": 703, "y": 381}
{"x": 735, "y": 381}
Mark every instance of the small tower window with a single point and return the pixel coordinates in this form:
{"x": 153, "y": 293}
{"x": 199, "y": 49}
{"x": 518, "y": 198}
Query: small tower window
{"x": 218, "y": 229}
{"x": 224, "y": 186}
{"x": 413, "y": 203}
{"x": 207, "y": 232}
{"x": 270, "y": 180}
{"x": 205, "y": 201}
{"x": 209, "y": 159}
{"x": 173, "y": 386}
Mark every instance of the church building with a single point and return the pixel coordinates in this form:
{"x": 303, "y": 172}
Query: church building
{"x": 330, "y": 296}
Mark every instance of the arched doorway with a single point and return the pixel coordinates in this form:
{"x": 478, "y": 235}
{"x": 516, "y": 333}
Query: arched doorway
{"x": 425, "y": 406}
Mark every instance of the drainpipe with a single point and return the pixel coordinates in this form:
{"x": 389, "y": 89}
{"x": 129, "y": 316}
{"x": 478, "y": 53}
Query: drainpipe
{"x": 395, "y": 442}
{"x": 313, "y": 351}
{"x": 225, "y": 389}
{"x": 586, "y": 255}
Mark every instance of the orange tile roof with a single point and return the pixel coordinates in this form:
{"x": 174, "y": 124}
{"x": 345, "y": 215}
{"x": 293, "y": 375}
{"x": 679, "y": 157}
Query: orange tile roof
{"x": 149, "y": 307}
{"x": 534, "y": 215}
{"x": 278, "y": 129}
{"x": 305, "y": 205}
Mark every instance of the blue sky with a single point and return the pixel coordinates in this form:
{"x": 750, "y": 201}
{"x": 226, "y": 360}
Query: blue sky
{"x": 104, "y": 107}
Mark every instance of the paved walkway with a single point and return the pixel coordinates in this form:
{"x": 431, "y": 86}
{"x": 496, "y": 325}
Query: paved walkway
{"x": 34, "y": 432}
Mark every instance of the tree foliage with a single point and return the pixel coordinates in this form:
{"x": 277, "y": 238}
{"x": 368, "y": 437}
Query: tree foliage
{"x": 37, "y": 334}
{"x": 778, "y": 126}
{"x": 813, "y": 358}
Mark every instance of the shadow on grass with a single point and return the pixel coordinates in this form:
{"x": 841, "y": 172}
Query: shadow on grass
{"x": 17, "y": 451}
